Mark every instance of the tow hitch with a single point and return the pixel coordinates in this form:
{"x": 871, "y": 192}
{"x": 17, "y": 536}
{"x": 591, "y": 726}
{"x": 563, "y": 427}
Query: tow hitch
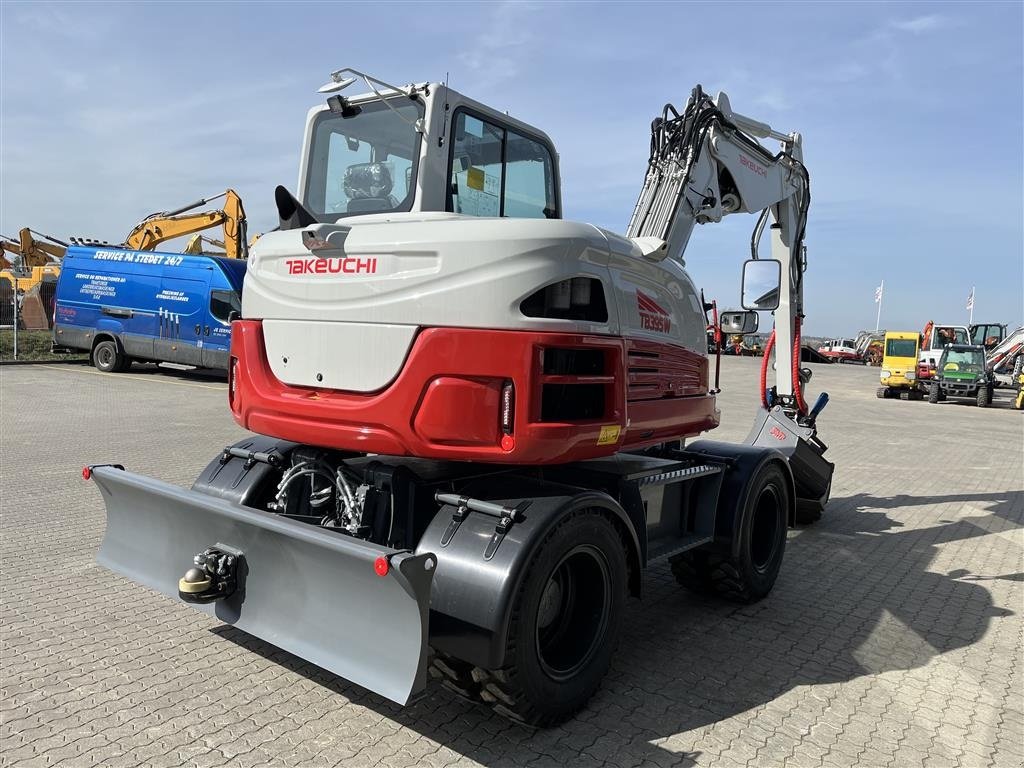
{"x": 213, "y": 577}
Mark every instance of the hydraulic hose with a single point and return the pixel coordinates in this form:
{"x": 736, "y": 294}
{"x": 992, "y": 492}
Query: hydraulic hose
{"x": 768, "y": 347}
{"x": 798, "y": 390}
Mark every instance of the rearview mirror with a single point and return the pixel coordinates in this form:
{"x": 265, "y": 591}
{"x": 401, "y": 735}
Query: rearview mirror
{"x": 738, "y": 322}
{"x": 761, "y": 281}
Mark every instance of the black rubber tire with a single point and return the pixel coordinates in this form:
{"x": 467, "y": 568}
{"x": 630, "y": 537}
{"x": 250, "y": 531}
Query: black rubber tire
{"x": 882, "y": 392}
{"x": 107, "y": 357}
{"x": 750, "y": 574}
{"x": 455, "y": 675}
{"x": 530, "y": 689}
{"x": 983, "y": 398}
{"x": 933, "y": 393}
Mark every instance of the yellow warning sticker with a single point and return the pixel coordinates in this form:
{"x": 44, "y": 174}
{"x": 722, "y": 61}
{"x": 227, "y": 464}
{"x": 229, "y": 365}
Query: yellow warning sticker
{"x": 609, "y": 434}
{"x": 475, "y": 178}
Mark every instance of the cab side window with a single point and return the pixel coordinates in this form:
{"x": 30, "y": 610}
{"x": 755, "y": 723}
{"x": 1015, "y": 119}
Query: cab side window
{"x": 499, "y": 172}
{"x": 223, "y": 303}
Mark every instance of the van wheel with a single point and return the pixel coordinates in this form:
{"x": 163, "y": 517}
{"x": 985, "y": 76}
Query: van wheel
{"x": 566, "y": 621}
{"x": 107, "y": 357}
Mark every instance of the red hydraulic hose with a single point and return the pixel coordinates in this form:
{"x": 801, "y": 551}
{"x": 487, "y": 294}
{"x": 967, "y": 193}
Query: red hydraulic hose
{"x": 798, "y": 390}
{"x": 768, "y": 347}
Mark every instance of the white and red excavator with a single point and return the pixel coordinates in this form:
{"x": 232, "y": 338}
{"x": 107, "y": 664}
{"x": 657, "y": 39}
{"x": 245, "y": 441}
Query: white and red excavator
{"x": 472, "y": 418}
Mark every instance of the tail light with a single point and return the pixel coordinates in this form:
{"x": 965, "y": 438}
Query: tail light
{"x": 508, "y": 407}
{"x": 232, "y": 381}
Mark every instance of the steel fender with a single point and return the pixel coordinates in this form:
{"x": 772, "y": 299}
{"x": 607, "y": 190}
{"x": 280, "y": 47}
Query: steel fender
{"x": 478, "y": 592}
{"x": 307, "y": 590}
{"x": 743, "y": 462}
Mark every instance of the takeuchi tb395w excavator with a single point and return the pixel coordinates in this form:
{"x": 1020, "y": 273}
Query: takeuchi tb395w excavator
{"x": 471, "y": 416}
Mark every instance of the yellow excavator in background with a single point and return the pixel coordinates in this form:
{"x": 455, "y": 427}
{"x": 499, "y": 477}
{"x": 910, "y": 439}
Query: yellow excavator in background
{"x": 36, "y": 260}
{"x": 167, "y": 225}
{"x": 32, "y": 275}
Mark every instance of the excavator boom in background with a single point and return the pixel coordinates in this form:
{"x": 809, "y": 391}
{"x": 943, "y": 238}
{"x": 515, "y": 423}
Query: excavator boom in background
{"x": 157, "y": 228}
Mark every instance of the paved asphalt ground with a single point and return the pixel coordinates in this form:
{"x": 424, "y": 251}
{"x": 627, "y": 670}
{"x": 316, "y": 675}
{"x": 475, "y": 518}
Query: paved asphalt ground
{"x": 893, "y": 636}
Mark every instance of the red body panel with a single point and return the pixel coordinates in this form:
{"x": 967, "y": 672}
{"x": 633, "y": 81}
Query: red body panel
{"x": 445, "y": 402}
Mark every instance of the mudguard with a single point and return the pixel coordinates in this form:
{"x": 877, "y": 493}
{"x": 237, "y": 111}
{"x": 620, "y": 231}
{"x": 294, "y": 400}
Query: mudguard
{"x": 313, "y": 592}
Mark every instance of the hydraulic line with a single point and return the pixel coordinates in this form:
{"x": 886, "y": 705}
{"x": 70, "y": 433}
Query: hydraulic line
{"x": 768, "y": 347}
{"x": 798, "y": 393}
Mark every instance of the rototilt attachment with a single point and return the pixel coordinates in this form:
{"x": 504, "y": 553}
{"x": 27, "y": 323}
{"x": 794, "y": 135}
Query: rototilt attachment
{"x": 352, "y": 607}
{"x": 798, "y": 442}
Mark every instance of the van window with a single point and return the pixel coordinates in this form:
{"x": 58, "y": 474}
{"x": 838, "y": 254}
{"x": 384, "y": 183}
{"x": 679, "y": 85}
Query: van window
{"x": 496, "y": 171}
{"x": 223, "y": 303}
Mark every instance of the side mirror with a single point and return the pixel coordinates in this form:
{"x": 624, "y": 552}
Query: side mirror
{"x": 738, "y": 322}
{"x": 761, "y": 281}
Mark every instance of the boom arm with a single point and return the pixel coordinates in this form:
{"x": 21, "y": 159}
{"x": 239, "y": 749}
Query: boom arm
{"x": 32, "y": 252}
{"x": 160, "y": 227}
{"x": 705, "y": 164}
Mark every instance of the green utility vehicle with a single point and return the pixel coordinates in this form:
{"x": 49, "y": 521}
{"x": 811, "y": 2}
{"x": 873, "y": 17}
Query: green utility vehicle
{"x": 961, "y": 373}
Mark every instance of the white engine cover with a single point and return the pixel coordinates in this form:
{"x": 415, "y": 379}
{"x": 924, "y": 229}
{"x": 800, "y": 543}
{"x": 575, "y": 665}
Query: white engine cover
{"x": 349, "y": 308}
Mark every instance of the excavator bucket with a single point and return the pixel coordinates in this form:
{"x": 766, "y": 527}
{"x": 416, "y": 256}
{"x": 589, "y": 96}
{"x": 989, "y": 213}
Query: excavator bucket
{"x": 352, "y": 607}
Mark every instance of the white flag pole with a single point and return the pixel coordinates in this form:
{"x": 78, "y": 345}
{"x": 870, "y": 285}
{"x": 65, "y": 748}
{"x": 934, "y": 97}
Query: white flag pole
{"x": 970, "y": 306}
{"x": 878, "y": 317}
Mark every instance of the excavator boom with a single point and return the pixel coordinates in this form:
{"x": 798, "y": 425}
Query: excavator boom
{"x": 160, "y": 227}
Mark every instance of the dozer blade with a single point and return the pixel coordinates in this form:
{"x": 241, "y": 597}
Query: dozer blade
{"x": 321, "y": 595}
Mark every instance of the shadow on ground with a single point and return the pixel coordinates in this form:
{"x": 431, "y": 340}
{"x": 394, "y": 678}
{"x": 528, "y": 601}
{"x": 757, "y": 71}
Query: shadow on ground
{"x": 855, "y": 597}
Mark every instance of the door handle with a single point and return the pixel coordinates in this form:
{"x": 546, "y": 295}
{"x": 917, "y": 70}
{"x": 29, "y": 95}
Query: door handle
{"x": 206, "y": 332}
{"x": 198, "y": 329}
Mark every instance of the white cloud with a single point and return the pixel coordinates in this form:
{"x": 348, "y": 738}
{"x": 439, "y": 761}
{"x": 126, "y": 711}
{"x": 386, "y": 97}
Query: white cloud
{"x": 921, "y": 24}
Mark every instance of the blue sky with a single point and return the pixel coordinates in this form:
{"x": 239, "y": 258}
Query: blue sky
{"x": 911, "y": 115}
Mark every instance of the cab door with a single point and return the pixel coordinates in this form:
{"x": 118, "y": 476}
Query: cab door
{"x": 217, "y": 328}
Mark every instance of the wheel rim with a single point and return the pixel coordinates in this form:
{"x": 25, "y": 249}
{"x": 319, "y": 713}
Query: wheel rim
{"x": 105, "y": 356}
{"x": 572, "y": 616}
{"x": 764, "y": 538}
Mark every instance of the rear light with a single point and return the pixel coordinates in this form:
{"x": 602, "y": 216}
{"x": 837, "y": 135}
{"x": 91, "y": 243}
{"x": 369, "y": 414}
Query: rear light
{"x": 381, "y": 566}
{"x": 232, "y": 381}
{"x": 86, "y": 473}
{"x": 508, "y": 407}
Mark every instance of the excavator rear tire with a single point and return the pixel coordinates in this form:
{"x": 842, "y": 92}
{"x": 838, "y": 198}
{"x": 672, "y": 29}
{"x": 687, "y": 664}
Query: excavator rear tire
{"x": 566, "y": 622}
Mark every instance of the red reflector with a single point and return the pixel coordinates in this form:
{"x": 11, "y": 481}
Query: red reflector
{"x": 507, "y": 442}
{"x": 381, "y": 566}
{"x": 86, "y": 473}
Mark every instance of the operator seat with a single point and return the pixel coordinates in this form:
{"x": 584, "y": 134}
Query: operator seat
{"x": 368, "y": 188}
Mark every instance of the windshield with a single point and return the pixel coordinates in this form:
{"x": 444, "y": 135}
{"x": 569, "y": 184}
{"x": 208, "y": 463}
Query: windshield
{"x": 363, "y": 162}
{"x": 947, "y": 335}
{"x": 964, "y": 360}
{"x": 900, "y": 348}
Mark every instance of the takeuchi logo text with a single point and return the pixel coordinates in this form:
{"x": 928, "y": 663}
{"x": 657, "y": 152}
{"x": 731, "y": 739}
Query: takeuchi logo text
{"x": 341, "y": 266}
{"x": 653, "y": 317}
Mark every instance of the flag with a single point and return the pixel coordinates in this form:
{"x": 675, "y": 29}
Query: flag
{"x": 878, "y": 292}
{"x": 970, "y": 299}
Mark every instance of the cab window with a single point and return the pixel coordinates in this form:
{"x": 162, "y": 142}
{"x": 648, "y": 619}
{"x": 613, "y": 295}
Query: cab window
{"x": 496, "y": 171}
{"x": 223, "y": 303}
{"x": 900, "y": 348}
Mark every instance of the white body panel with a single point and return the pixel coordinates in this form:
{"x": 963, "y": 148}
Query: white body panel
{"x": 406, "y": 271}
{"x": 333, "y": 355}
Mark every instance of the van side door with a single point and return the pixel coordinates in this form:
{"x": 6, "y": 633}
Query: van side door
{"x": 217, "y": 330}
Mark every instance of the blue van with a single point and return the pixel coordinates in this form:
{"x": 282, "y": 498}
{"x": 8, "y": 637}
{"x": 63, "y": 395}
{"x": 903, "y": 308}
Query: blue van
{"x": 121, "y": 306}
